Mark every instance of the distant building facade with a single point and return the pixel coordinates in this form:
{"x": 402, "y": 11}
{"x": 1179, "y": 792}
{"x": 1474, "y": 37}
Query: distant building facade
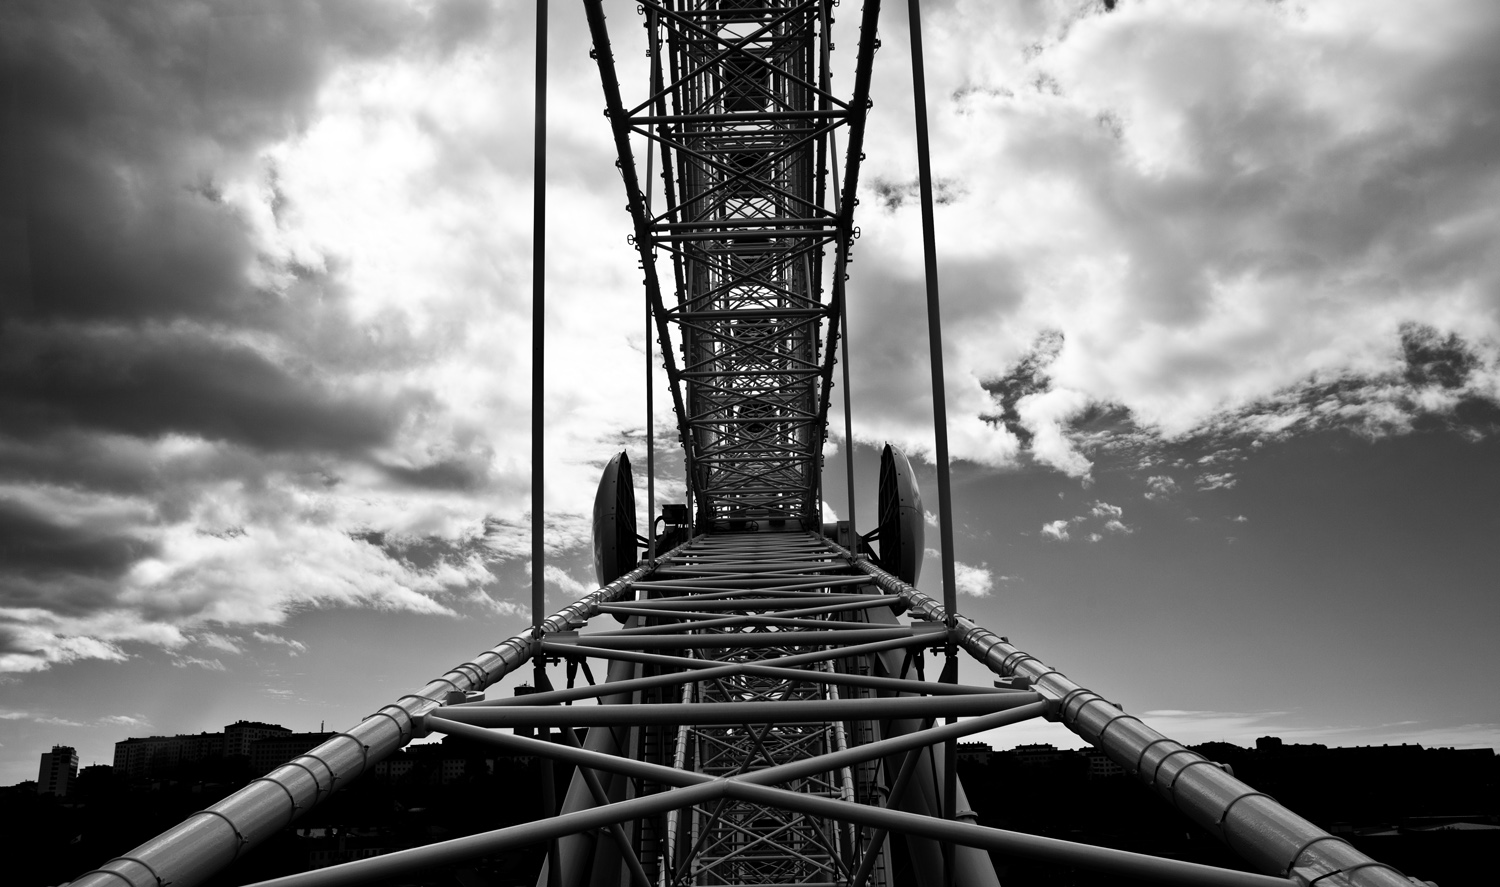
{"x": 444, "y": 763}
{"x": 1037, "y": 753}
{"x": 974, "y": 753}
{"x": 149, "y": 755}
{"x": 58, "y": 770}
{"x": 144, "y": 756}
{"x": 1101, "y": 765}
{"x": 239, "y": 736}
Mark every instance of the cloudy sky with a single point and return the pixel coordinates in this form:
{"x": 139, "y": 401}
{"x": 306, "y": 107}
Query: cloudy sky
{"x": 1221, "y": 301}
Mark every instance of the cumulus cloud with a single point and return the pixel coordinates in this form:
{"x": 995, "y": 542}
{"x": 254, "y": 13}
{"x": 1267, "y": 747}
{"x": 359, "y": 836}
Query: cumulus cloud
{"x": 294, "y": 647}
{"x": 33, "y": 639}
{"x": 261, "y": 347}
{"x": 59, "y": 722}
{"x": 1106, "y": 510}
{"x": 1046, "y": 415}
{"x": 1104, "y": 516}
{"x": 258, "y": 356}
{"x": 973, "y": 581}
{"x": 218, "y": 641}
{"x": 568, "y": 587}
{"x": 1220, "y": 481}
{"x": 125, "y": 721}
{"x": 1160, "y": 486}
{"x": 1208, "y": 229}
{"x": 970, "y": 580}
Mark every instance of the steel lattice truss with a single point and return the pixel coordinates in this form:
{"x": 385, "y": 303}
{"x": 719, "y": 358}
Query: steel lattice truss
{"x": 766, "y": 717}
{"x": 741, "y": 111}
{"x": 809, "y": 742}
{"x": 767, "y": 665}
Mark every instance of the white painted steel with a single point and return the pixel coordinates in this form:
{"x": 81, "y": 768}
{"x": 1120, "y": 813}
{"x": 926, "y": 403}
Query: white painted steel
{"x": 1266, "y": 834}
{"x": 206, "y": 842}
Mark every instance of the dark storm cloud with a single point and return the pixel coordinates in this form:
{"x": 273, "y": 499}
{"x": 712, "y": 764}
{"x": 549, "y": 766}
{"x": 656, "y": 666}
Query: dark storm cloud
{"x": 1028, "y": 376}
{"x": 1237, "y": 215}
{"x": 33, "y": 545}
{"x": 1432, "y": 359}
{"x": 118, "y": 116}
{"x": 469, "y": 473}
{"x": 893, "y": 195}
{"x": 162, "y": 379}
{"x": 153, "y": 381}
{"x": 1301, "y": 187}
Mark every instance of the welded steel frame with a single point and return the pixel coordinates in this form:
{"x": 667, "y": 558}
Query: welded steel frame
{"x": 679, "y": 782}
{"x": 741, "y": 108}
{"x": 766, "y": 717}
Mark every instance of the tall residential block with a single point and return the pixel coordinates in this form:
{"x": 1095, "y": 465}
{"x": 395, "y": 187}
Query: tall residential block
{"x": 59, "y": 769}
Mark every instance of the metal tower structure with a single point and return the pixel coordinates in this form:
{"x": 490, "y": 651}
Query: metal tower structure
{"x": 767, "y": 715}
{"x": 741, "y": 109}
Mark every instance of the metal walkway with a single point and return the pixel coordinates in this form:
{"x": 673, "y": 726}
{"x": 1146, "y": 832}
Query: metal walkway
{"x": 765, "y": 721}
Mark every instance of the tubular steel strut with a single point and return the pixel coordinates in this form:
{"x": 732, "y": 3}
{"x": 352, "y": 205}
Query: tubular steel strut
{"x": 742, "y": 110}
{"x": 765, "y": 717}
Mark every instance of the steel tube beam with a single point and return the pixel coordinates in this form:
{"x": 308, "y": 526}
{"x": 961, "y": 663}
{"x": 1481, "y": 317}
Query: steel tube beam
{"x": 756, "y": 787}
{"x": 766, "y": 776}
{"x": 702, "y": 622}
{"x": 711, "y": 670}
{"x": 798, "y": 659}
{"x": 727, "y": 585}
{"x": 638, "y": 874}
{"x": 1266, "y": 834}
{"x": 1136, "y": 865}
{"x": 457, "y": 850}
{"x": 190, "y": 852}
{"x": 763, "y": 593}
{"x": 863, "y": 71}
{"x": 614, "y": 107}
{"x": 752, "y": 117}
{"x": 687, "y": 609}
{"x": 799, "y": 711}
{"x": 741, "y": 788}
{"x": 877, "y": 839}
{"x": 759, "y": 639}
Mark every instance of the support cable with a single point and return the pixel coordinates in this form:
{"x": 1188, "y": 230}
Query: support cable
{"x": 833, "y": 156}
{"x": 934, "y": 315}
{"x": 939, "y": 401}
{"x": 650, "y": 352}
{"x": 538, "y": 321}
{"x": 538, "y": 378}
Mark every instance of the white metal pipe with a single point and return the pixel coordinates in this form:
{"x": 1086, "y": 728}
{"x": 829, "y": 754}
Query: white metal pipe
{"x": 799, "y": 711}
{"x": 205, "y": 842}
{"x": 1266, "y": 834}
{"x": 679, "y": 762}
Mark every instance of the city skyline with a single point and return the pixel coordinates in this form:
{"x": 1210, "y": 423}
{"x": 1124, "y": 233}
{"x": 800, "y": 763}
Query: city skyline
{"x": 1219, "y": 293}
